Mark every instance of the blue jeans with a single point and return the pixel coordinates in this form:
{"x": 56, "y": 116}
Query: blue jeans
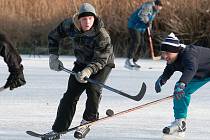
{"x": 181, "y": 106}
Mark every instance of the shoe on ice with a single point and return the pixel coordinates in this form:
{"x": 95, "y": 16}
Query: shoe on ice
{"x": 136, "y": 65}
{"x": 51, "y": 136}
{"x": 128, "y": 64}
{"x": 179, "y": 125}
{"x": 81, "y": 132}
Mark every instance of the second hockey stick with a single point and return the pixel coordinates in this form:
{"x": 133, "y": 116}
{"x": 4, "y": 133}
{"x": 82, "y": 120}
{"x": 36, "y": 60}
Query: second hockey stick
{"x": 106, "y": 117}
{"x": 138, "y": 97}
{"x": 151, "y": 46}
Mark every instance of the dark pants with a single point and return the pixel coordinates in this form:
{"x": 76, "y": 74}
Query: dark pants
{"x": 137, "y": 42}
{"x": 67, "y": 106}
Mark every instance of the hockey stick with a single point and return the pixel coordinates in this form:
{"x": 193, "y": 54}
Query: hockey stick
{"x": 138, "y": 97}
{"x": 122, "y": 112}
{"x": 151, "y": 46}
{"x": 32, "y": 133}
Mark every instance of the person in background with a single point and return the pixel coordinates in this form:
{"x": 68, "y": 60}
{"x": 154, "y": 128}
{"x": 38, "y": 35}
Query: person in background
{"x": 13, "y": 61}
{"x": 94, "y": 59}
{"x": 138, "y": 22}
{"x": 194, "y": 64}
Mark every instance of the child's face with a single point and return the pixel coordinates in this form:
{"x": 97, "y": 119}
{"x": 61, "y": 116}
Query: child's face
{"x": 157, "y": 7}
{"x": 169, "y": 57}
{"x": 86, "y": 22}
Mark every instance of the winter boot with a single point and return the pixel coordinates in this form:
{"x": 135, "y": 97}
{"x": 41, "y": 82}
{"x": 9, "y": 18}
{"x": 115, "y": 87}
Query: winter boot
{"x": 137, "y": 66}
{"x": 51, "y": 136}
{"x": 82, "y": 131}
{"x": 179, "y": 125}
{"x": 129, "y": 65}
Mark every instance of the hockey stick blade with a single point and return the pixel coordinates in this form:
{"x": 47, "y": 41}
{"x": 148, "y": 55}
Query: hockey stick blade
{"x": 34, "y": 134}
{"x": 156, "y": 58}
{"x": 138, "y": 97}
{"x": 42, "y": 136}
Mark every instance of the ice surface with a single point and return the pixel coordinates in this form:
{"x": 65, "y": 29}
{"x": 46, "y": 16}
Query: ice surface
{"x": 33, "y": 107}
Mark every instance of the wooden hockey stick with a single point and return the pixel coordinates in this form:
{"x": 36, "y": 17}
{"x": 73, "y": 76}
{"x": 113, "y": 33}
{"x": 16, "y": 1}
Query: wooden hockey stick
{"x": 32, "y": 133}
{"x": 151, "y": 46}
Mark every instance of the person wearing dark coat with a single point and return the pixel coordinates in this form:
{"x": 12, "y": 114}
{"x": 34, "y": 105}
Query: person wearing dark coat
{"x": 13, "y": 61}
{"x": 94, "y": 59}
{"x": 194, "y": 64}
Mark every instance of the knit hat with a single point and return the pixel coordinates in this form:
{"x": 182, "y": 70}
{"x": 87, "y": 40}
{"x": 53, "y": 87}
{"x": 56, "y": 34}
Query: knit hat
{"x": 171, "y": 44}
{"x": 86, "y": 9}
{"x": 158, "y": 2}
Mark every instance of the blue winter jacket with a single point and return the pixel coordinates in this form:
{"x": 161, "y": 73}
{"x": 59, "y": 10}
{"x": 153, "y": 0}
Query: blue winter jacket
{"x": 193, "y": 62}
{"x": 142, "y": 17}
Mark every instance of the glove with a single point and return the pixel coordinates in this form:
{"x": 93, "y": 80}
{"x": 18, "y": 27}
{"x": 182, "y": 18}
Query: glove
{"x": 158, "y": 84}
{"x": 179, "y": 90}
{"x": 85, "y": 73}
{"x": 55, "y": 63}
{"x": 15, "y": 79}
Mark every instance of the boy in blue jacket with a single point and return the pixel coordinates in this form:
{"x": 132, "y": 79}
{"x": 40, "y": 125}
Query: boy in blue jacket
{"x": 194, "y": 64}
{"x": 137, "y": 25}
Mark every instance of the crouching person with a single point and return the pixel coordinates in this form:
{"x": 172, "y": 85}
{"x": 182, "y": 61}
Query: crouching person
{"x": 194, "y": 64}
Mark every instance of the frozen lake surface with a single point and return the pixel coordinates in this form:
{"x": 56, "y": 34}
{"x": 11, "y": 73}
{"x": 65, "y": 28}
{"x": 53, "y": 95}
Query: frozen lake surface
{"x": 34, "y": 106}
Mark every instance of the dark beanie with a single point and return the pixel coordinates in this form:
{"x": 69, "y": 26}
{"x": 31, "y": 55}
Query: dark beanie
{"x": 85, "y": 14}
{"x": 171, "y": 44}
{"x": 158, "y": 2}
{"x": 86, "y": 9}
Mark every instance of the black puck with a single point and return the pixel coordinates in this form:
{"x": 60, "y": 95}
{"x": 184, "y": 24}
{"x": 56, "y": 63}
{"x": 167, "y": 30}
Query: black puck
{"x": 109, "y": 112}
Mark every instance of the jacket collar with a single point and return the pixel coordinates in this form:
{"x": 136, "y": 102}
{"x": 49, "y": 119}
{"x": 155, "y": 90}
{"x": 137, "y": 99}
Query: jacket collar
{"x": 98, "y": 24}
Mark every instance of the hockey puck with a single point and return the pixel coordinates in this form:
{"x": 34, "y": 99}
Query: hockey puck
{"x": 109, "y": 112}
